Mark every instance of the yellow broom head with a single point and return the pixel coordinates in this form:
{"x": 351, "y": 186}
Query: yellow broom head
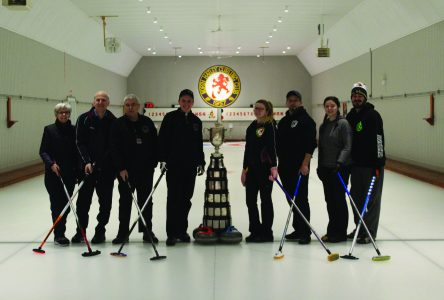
{"x": 278, "y": 255}
{"x": 333, "y": 257}
{"x": 381, "y": 258}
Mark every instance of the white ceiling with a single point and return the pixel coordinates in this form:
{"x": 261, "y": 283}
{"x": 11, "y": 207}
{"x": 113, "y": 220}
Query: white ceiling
{"x": 352, "y": 27}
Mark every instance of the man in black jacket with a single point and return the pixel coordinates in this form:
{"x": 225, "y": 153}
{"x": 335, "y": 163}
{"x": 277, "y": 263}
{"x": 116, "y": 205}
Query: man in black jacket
{"x": 92, "y": 133}
{"x": 181, "y": 148}
{"x": 296, "y": 144}
{"x": 368, "y": 159}
{"x": 133, "y": 143}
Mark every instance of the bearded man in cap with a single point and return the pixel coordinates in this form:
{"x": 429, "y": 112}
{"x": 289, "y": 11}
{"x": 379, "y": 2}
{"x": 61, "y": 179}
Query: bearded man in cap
{"x": 368, "y": 159}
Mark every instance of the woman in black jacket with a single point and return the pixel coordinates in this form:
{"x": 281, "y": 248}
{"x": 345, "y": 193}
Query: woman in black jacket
{"x": 58, "y": 152}
{"x": 259, "y": 171}
{"x": 335, "y": 140}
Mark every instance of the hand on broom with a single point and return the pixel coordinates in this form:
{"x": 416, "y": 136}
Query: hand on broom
{"x": 273, "y": 174}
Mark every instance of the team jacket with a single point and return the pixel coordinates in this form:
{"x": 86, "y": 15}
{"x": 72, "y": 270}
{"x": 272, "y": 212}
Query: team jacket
{"x": 133, "y": 144}
{"x": 296, "y": 137}
{"x": 368, "y": 137}
{"x": 58, "y": 146}
{"x": 92, "y": 136}
{"x": 260, "y": 146}
{"x": 180, "y": 139}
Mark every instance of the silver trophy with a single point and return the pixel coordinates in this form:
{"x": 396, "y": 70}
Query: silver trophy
{"x": 217, "y": 136}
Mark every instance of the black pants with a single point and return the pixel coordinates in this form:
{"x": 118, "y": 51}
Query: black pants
{"x": 142, "y": 182}
{"x": 334, "y": 194}
{"x": 180, "y": 182}
{"x": 360, "y": 181}
{"x": 257, "y": 181}
{"x": 103, "y": 183}
{"x": 289, "y": 178}
{"x": 58, "y": 198}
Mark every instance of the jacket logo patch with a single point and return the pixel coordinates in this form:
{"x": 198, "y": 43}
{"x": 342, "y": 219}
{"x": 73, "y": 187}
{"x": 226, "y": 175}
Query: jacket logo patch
{"x": 294, "y": 123}
{"x": 145, "y": 129}
{"x": 260, "y": 131}
{"x": 359, "y": 126}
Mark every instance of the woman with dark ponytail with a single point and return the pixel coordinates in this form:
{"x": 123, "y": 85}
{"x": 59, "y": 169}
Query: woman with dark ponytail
{"x": 259, "y": 171}
{"x": 335, "y": 140}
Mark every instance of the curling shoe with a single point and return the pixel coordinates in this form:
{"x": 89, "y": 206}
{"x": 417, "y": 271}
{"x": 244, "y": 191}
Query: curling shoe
{"x": 184, "y": 238}
{"x": 351, "y": 235}
{"x": 98, "y": 238}
{"x": 294, "y": 236}
{"x": 120, "y": 239}
{"x": 61, "y": 241}
{"x": 304, "y": 240}
{"x": 77, "y": 239}
{"x": 364, "y": 240}
{"x": 254, "y": 238}
{"x": 171, "y": 241}
{"x": 146, "y": 238}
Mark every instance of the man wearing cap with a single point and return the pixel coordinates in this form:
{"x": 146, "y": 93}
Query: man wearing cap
{"x": 181, "y": 149}
{"x": 296, "y": 141}
{"x": 368, "y": 159}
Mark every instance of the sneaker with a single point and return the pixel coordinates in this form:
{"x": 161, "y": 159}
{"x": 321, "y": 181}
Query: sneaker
{"x": 253, "y": 238}
{"x": 171, "y": 241}
{"x": 61, "y": 241}
{"x": 304, "y": 240}
{"x": 184, "y": 238}
{"x": 364, "y": 240}
{"x": 77, "y": 238}
{"x": 98, "y": 238}
{"x": 120, "y": 240}
{"x": 294, "y": 236}
{"x": 146, "y": 238}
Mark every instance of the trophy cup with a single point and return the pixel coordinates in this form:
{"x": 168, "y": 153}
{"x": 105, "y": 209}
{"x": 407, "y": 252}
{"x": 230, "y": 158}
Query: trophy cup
{"x": 217, "y": 136}
{"x": 217, "y": 209}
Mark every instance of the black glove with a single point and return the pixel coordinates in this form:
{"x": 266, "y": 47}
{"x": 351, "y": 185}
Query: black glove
{"x": 162, "y": 165}
{"x": 200, "y": 170}
{"x": 339, "y": 167}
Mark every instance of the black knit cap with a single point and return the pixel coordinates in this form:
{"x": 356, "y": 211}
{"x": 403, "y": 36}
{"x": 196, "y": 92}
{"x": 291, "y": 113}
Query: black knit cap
{"x": 294, "y": 93}
{"x": 186, "y": 92}
{"x": 360, "y": 89}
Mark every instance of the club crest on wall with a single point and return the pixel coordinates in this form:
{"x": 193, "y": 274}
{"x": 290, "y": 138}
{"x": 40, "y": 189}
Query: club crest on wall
{"x": 219, "y": 86}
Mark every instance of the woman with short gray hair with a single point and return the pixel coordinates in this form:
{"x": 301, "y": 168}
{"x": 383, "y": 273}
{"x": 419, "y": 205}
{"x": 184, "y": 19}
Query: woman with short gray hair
{"x": 58, "y": 152}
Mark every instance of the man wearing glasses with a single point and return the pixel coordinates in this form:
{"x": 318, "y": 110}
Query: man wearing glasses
{"x": 133, "y": 143}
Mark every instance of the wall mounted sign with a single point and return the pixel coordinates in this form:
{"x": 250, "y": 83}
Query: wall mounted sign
{"x": 246, "y": 114}
{"x": 204, "y": 114}
{"x": 219, "y": 86}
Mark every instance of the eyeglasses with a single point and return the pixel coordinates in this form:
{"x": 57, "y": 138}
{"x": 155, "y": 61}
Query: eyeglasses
{"x": 64, "y": 112}
{"x": 131, "y": 105}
